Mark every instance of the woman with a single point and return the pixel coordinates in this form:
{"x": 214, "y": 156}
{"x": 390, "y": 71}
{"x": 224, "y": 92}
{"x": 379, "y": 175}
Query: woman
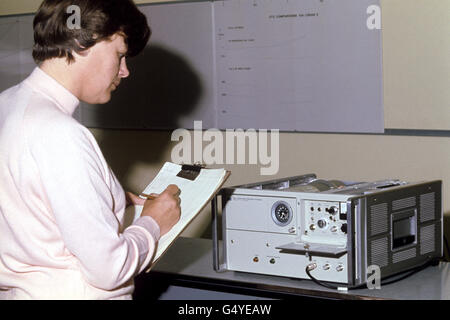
{"x": 61, "y": 207}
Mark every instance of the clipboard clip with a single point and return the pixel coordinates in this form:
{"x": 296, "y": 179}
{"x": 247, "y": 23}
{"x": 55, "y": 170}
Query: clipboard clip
{"x": 189, "y": 171}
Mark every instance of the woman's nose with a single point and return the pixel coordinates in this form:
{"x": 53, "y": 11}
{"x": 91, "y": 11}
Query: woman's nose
{"x": 123, "y": 71}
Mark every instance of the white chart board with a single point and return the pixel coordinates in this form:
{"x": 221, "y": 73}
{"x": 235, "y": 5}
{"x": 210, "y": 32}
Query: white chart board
{"x": 305, "y": 65}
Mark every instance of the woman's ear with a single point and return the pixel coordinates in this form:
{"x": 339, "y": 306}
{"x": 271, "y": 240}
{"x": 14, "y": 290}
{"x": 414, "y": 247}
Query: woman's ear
{"x": 83, "y": 53}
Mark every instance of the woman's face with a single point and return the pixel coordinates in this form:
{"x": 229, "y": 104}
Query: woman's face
{"x": 103, "y": 67}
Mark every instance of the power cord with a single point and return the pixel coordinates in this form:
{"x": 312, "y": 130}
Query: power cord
{"x": 310, "y": 267}
{"x": 446, "y": 246}
{"x": 408, "y": 273}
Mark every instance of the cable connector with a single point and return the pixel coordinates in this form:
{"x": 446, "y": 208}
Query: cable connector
{"x": 311, "y": 266}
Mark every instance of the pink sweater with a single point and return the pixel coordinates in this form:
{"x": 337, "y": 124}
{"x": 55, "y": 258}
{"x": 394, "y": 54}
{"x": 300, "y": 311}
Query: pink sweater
{"x": 61, "y": 207}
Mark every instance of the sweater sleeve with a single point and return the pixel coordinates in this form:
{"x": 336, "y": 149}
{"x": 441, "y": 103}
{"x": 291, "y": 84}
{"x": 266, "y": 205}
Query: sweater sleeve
{"x": 76, "y": 183}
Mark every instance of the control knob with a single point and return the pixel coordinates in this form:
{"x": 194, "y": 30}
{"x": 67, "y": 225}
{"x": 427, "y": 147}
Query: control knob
{"x": 322, "y": 223}
{"x": 333, "y": 210}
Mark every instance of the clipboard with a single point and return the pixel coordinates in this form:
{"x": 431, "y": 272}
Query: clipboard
{"x": 190, "y": 172}
{"x": 198, "y": 186}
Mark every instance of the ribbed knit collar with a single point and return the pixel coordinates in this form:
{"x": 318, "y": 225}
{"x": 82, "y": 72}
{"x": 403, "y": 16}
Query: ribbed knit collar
{"x": 42, "y": 82}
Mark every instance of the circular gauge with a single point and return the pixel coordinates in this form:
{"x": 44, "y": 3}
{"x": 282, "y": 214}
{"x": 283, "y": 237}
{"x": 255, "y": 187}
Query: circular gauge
{"x": 281, "y": 213}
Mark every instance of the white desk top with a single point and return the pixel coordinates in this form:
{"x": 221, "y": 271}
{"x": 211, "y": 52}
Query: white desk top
{"x": 191, "y": 258}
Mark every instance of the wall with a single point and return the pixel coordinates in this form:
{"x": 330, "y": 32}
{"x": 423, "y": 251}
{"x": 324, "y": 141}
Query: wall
{"x": 416, "y": 63}
{"x": 8, "y": 7}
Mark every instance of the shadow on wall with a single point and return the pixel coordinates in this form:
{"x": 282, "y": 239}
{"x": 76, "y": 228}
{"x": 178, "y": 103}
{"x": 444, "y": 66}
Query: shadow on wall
{"x": 161, "y": 88}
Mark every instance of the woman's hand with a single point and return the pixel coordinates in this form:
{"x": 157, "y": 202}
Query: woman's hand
{"x": 133, "y": 200}
{"x": 164, "y": 208}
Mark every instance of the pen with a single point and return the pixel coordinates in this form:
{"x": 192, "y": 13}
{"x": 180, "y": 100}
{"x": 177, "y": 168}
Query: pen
{"x": 148, "y": 196}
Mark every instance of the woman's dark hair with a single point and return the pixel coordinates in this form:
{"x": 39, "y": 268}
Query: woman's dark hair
{"x": 99, "y": 20}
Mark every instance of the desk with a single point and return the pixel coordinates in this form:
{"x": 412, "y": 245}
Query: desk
{"x": 188, "y": 264}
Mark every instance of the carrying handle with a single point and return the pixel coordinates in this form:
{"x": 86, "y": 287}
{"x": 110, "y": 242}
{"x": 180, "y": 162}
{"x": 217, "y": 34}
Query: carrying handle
{"x": 215, "y": 238}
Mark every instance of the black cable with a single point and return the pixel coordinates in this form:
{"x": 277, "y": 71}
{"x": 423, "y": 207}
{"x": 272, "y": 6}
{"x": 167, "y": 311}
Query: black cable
{"x": 320, "y": 283}
{"x": 446, "y": 246}
{"x": 409, "y": 273}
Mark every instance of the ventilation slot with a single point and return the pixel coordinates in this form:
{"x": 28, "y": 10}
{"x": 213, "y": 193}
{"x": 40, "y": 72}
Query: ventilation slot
{"x": 427, "y": 239}
{"x": 378, "y": 219}
{"x": 404, "y": 255}
{"x": 403, "y": 203}
{"x": 379, "y": 252}
{"x": 427, "y": 207}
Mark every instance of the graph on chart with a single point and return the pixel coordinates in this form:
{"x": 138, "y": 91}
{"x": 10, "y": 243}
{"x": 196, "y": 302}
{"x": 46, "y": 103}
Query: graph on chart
{"x": 294, "y": 61}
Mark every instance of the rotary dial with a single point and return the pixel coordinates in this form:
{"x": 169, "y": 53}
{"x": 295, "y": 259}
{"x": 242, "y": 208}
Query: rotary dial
{"x": 281, "y": 213}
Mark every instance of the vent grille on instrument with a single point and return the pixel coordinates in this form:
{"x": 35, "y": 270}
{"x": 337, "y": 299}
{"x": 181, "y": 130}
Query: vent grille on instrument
{"x": 379, "y": 252}
{"x": 427, "y": 209}
{"x": 379, "y": 219}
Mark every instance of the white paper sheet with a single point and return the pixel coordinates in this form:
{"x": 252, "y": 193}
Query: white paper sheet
{"x": 194, "y": 195}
